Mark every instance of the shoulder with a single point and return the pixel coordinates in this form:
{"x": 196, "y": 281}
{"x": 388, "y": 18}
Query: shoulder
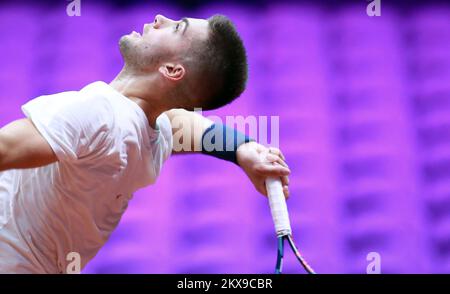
{"x": 165, "y": 129}
{"x": 164, "y": 125}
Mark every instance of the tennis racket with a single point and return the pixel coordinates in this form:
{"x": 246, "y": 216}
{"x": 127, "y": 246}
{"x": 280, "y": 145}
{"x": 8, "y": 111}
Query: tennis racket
{"x": 282, "y": 224}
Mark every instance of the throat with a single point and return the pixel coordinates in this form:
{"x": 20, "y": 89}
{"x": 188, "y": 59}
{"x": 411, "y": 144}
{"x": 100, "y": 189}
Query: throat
{"x": 150, "y": 110}
{"x": 141, "y": 90}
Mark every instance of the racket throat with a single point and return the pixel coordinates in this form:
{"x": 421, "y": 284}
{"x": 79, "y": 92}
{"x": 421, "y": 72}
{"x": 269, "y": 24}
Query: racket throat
{"x": 280, "y": 254}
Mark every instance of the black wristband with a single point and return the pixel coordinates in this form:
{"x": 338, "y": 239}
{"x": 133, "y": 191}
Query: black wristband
{"x": 222, "y": 142}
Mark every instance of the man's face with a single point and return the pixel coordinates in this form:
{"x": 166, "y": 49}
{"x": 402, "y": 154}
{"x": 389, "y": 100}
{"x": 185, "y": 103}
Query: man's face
{"x": 163, "y": 40}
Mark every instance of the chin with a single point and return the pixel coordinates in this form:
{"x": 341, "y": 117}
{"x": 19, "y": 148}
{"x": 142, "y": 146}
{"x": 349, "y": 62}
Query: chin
{"x": 125, "y": 41}
{"x": 124, "y": 38}
{"x": 125, "y": 45}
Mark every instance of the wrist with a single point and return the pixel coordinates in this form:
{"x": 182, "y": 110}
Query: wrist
{"x": 242, "y": 150}
{"x": 223, "y": 142}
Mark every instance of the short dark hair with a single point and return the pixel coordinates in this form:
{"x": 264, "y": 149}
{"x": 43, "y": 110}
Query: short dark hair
{"x": 221, "y": 61}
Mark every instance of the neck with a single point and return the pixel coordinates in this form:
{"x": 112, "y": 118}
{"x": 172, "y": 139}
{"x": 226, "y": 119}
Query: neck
{"x": 143, "y": 90}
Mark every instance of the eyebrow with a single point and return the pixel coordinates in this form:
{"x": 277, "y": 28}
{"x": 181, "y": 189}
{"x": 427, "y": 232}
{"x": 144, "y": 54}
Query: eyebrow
{"x": 186, "y": 21}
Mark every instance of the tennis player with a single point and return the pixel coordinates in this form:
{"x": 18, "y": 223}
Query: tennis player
{"x": 68, "y": 170}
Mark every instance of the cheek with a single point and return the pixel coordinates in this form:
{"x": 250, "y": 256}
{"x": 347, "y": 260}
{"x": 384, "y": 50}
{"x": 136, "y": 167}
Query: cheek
{"x": 165, "y": 46}
{"x": 149, "y": 54}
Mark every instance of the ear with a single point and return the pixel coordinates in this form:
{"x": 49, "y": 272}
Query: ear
{"x": 174, "y": 72}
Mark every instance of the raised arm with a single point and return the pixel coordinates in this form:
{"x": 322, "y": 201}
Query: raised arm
{"x": 187, "y": 130}
{"x": 22, "y": 146}
{"x": 257, "y": 161}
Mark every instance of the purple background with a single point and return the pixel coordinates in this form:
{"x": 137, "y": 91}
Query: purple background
{"x": 364, "y": 106}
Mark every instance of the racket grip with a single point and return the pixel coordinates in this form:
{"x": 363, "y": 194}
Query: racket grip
{"x": 278, "y": 207}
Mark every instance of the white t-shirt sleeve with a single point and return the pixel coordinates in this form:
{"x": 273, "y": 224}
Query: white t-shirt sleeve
{"x": 75, "y": 126}
{"x": 165, "y": 128}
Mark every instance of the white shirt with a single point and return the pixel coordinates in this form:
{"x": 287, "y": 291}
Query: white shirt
{"x": 106, "y": 151}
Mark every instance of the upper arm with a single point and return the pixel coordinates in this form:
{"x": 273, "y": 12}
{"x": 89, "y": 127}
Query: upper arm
{"x": 187, "y": 129}
{"x": 22, "y": 146}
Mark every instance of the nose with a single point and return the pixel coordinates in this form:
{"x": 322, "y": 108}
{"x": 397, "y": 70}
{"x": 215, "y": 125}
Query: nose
{"x": 160, "y": 20}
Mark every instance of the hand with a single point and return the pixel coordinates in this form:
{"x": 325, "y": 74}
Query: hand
{"x": 260, "y": 162}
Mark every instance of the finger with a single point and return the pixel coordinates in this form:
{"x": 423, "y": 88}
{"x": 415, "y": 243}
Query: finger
{"x": 282, "y": 162}
{"x": 286, "y": 192}
{"x": 282, "y": 156}
{"x": 262, "y": 188}
{"x": 272, "y": 158}
{"x": 277, "y": 151}
{"x": 275, "y": 158}
{"x": 285, "y": 180}
{"x": 271, "y": 170}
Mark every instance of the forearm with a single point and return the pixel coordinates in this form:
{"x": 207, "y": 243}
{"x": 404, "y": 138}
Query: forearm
{"x": 223, "y": 142}
{"x": 194, "y": 133}
{"x": 187, "y": 130}
{"x": 257, "y": 161}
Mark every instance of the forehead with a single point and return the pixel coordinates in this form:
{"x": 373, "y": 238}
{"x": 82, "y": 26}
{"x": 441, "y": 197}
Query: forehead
{"x": 197, "y": 28}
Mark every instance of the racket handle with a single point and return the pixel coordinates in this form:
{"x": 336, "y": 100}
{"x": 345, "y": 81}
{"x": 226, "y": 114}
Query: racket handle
{"x": 278, "y": 207}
